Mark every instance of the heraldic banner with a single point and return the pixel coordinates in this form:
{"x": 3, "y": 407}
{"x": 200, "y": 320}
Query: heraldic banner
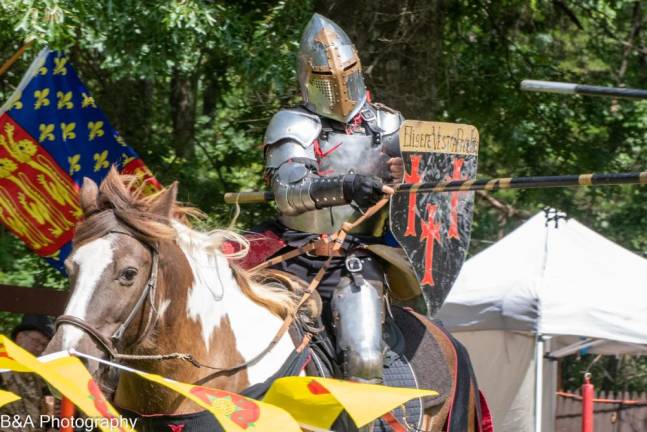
{"x": 52, "y": 135}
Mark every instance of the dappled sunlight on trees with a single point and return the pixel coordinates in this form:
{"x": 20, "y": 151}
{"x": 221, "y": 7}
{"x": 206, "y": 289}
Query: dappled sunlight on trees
{"x": 192, "y": 85}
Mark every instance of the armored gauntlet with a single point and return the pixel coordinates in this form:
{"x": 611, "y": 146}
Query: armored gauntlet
{"x": 298, "y": 190}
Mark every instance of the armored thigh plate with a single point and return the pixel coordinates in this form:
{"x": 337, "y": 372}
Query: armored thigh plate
{"x": 357, "y": 307}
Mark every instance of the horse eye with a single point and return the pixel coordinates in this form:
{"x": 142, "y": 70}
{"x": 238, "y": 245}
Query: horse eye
{"x": 127, "y": 276}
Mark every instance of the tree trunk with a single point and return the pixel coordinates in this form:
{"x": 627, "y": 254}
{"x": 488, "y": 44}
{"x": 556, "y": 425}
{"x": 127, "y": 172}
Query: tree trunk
{"x": 401, "y": 48}
{"x": 183, "y": 109}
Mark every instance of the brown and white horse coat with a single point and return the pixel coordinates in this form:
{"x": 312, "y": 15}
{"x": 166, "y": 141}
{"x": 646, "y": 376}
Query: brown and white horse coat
{"x": 199, "y": 305}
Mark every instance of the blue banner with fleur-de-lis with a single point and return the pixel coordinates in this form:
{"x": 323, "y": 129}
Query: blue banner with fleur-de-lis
{"x": 52, "y": 135}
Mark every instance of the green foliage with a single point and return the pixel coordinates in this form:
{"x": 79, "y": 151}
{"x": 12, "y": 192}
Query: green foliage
{"x": 238, "y": 57}
{"x": 492, "y": 46}
{"x": 622, "y": 373}
{"x": 192, "y": 84}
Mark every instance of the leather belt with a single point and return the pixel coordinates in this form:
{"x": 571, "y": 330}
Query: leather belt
{"x": 325, "y": 248}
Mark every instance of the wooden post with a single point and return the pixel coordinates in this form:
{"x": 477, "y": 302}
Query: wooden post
{"x": 587, "y": 404}
{"x": 67, "y": 411}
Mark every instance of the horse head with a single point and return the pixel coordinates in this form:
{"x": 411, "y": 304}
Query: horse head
{"x": 144, "y": 283}
{"x": 110, "y": 269}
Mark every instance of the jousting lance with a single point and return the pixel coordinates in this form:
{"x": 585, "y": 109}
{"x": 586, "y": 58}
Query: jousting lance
{"x": 609, "y": 179}
{"x": 582, "y": 89}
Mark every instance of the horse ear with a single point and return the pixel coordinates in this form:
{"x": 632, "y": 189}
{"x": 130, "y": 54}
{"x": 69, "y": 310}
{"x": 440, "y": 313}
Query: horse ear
{"x": 89, "y": 193}
{"x": 165, "y": 202}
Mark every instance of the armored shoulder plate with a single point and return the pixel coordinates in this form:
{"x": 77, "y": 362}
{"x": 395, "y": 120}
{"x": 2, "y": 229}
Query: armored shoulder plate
{"x": 294, "y": 125}
{"x": 385, "y": 123}
{"x": 388, "y": 119}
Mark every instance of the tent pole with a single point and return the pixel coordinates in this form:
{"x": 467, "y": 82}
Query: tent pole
{"x": 539, "y": 379}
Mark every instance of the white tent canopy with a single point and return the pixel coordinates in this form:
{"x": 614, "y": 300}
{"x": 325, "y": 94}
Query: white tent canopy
{"x": 558, "y": 280}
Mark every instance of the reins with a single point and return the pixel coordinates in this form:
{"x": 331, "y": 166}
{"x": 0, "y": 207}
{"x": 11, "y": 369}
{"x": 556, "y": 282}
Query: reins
{"x": 337, "y": 240}
{"x": 111, "y": 344}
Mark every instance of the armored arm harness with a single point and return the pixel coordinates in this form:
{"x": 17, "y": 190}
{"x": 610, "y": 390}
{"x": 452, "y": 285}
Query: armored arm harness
{"x": 292, "y": 166}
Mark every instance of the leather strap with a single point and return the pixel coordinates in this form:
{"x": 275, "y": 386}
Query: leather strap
{"x": 83, "y": 325}
{"x": 336, "y": 240}
{"x": 112, "y": 345}
{"x": 147, "y": 292}
{"x": 326, "y": 248}
{"x": 283, "y": 257}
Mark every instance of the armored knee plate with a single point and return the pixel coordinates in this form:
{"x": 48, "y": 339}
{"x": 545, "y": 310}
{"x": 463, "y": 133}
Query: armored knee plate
{"x": 357, "y": 306}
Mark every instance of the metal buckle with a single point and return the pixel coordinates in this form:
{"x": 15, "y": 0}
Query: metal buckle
{"x": 367, "y": 114}
{"x": 354, "y": 264}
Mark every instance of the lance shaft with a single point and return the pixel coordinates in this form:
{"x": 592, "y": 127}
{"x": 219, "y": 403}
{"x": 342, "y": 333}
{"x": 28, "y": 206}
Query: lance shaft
{"x": 583, "y": 89}
{"x": 483, "y": 184}
{"x": 528, "y": 182}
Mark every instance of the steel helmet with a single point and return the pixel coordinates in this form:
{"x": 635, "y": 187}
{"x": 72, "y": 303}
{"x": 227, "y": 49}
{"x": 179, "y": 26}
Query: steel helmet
{"x": 329, "y": 71}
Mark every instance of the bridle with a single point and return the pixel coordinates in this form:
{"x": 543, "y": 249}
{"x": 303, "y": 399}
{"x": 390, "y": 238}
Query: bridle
{"x": 114, "y": 343}
{"x": 111, "y": 345}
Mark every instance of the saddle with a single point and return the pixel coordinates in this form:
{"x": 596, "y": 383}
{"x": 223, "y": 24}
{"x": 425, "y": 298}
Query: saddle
{"x": 399, "y": 370}
{"x": 419, "y": 353}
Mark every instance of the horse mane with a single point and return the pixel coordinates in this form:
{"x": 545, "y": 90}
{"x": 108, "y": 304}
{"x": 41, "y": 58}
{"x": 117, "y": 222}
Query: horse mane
{"x": 122, "y": 204}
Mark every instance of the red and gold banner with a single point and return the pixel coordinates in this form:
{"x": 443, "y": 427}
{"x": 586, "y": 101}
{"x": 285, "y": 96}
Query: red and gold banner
{"x": 52, "y": 135}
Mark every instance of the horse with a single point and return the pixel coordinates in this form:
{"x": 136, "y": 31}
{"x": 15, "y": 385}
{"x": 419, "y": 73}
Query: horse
{"x": 145, "y": 283}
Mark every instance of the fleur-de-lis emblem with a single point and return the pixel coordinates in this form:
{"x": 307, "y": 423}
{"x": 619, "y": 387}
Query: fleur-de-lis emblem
{"x": 127, "y": 159}
{"x": 64, "y": 100}
{"x": 101, "y": 160}
{"x": 120, "y": 140}
{"x": 67, "y": 131}
{"x": 42, "y": 70}
{"x": 87, "y": 101}
{"x": 96, "y": 129}
{"x": 59, "y": 67}
{"x": 46, "y": 132}
{"x": 41, "y": 98}
{"x": 75, "y": 166}
{"x": 56, "y": 256}
{"x": 17, "y": 104}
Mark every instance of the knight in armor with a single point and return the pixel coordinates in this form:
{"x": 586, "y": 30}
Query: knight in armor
{"x": 327, "y": 161}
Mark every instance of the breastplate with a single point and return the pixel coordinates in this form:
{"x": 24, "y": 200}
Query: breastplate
{"x": 338, "y": 153}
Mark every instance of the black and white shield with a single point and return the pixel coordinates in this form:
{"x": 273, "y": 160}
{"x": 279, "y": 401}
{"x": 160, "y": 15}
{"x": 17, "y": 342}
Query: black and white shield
{"x": 434, "y": 228}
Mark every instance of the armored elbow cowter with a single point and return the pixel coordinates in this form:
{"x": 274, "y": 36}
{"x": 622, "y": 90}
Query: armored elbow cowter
{"x": 297, "y": 190}
{"x": 323, "y": 174}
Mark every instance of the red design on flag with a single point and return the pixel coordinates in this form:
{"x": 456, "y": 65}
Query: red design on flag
{"x": 100, "y": 402}
{"x": 453, "y": 214}
{"x": 414, "y": 177}
{"x": 317, "y": 389}
{"x": 138, "y": 168}
{"x": 39, "y": 202}
{"x": 246, "y": 413}
{"x": 430, "y": 233}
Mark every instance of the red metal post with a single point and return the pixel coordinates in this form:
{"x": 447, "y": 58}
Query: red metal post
{"x": 587, "y": 404}
{"x": 67, "y": 411}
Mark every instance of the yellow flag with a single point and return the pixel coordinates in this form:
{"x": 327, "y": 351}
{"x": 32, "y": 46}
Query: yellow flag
{"x": 235, "y": 413}
{"x": 317, "y": 402}
{"x": 70, "y": 378}
{"x": 87, "y": 396}
{"x": 7, "y": 397}
{"x": 7, "y": 362}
